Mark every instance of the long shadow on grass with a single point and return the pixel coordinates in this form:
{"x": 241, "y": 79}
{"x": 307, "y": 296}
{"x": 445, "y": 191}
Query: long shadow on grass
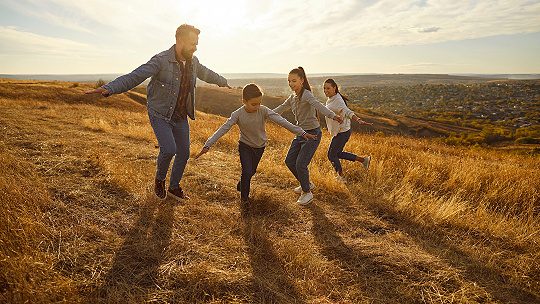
{"x": 271, "y": 284}
{"x": 435, "y": 241}
{"x": 372, "y": 277}
{"x": 135, "y": 266}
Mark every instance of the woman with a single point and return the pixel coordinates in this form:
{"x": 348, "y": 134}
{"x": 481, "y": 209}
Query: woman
{"x": 341, "y": 132}
{"x": 304, "y": 107}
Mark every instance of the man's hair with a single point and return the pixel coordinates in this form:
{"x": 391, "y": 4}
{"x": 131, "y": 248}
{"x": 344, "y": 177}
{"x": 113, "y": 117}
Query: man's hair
{"x": 251, "y": 91}
{"x": 183, "y": 30}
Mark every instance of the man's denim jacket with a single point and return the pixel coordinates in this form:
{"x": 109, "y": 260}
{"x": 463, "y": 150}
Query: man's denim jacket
{"x": 162, "y": 90}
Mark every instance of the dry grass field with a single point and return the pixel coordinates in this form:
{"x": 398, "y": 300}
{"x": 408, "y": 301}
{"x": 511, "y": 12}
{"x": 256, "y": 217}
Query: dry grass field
{"x": 426, "y": 224}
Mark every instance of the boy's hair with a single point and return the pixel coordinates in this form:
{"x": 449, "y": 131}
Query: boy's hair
{"x": 302, "y": 74}
{"x": 334, "y": 85}
{"x": 184, "y": 29}
{"x": 251, "y": 91}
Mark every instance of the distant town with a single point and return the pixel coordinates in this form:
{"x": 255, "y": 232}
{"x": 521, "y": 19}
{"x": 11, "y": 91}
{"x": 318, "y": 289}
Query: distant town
{"x": 513, "y": 104}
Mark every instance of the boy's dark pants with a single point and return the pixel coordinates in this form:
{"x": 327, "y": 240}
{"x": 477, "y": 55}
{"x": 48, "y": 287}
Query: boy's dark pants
{"x": 249, "y": 159}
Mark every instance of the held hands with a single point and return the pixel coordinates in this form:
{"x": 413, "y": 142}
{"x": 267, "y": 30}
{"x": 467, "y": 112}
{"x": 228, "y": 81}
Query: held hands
{"x": 204, "y": 150}
{"x": 100, "y": 90}
{"x": 338, "y": 119}
{"x": 307, "y": 136}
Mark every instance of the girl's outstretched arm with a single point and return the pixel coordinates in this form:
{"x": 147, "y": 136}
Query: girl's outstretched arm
{"x": 360, "y": 121}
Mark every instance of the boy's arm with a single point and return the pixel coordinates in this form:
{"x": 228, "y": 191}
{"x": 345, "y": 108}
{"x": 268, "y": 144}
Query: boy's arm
{"x": 222, "y": 130}
{"x": 204, "y": 150}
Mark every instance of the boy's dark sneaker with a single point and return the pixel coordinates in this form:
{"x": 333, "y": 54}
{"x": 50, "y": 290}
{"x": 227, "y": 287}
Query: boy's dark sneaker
{"x": 178, "y": 194}
{"x": 159, "y": 189}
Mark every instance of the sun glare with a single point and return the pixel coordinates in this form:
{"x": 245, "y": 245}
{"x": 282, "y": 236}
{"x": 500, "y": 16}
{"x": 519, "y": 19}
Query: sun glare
{"x": 218, "y": 18}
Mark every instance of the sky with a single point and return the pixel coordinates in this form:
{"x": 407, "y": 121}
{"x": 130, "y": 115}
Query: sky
{"x": 241, "y": 36}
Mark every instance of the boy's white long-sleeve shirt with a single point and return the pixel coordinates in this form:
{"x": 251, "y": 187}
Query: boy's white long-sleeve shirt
{"x": 252, "y": 126}
{"x": 337, "y": 105}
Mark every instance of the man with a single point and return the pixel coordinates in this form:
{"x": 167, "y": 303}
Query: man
{"x": 170, "y": 100}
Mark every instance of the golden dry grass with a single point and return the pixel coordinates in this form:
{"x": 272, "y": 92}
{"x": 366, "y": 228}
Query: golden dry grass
{"x": 427, "y": 224}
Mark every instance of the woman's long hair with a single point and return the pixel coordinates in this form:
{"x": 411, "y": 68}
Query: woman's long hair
{"x": 334, "y": 85}
{"x": 302, "y": 74}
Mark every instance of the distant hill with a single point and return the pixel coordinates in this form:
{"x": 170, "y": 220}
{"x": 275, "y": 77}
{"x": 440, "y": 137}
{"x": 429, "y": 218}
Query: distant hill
{"x": 280, "y": 80}
{"x": 369, "y": 80}
{"x": 504, "y": 76}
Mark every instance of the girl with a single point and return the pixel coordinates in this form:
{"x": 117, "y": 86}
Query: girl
{"x": 304, "y": 107}
{"x": 341, "y": 132}
{"x": 251, "y": 119}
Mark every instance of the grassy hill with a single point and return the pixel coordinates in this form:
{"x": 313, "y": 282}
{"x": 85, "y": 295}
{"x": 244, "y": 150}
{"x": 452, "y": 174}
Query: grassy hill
{"x": 79, "y": 224}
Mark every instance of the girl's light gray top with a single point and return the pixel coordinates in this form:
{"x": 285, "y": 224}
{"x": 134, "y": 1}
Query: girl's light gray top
{"x": 305, "y": 110}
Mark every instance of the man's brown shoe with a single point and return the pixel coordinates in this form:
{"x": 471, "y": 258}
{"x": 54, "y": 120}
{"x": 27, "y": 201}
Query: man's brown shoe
{"x": 159, "y": 189}
{"x": 178, "y": 194}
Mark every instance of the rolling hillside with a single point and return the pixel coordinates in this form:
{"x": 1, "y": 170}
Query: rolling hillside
{"x": 214, "y": 100}
{"x": 427, "y": 223}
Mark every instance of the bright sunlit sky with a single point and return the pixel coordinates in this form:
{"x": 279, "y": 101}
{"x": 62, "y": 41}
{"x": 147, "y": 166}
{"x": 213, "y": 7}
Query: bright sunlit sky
{"x": 237, "y": 36}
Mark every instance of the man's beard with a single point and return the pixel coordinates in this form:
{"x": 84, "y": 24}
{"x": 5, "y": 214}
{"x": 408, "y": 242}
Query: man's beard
{"x": 186, "y": 54}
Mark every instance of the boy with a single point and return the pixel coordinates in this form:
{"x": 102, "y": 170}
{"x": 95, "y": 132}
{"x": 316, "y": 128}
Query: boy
{"x": 251, "y": 119}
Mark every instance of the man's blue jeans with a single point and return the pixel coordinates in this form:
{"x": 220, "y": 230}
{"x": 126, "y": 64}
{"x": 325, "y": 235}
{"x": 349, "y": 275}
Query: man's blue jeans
{"x": 173, "y": 140}
{"x": 249, "y": 158}
{"x": 335, "y": 151}
{"x": 300, "y": 154}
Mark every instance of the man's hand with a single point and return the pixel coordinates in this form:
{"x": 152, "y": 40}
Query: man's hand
{"x": 307, "y": 136}
{"x": 228, "y": 86}
{"x": 100, "y": 90}
{"x": 338, "y": 119}
{"x": 204, "y": 150}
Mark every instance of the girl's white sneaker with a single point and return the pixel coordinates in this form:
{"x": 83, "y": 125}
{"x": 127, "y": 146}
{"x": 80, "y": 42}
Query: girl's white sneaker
{"x": 341, "y": 179}
{"x": 305, "y": 198}
{"x": 299, "y": 188}
{"x": 367, "y": 160}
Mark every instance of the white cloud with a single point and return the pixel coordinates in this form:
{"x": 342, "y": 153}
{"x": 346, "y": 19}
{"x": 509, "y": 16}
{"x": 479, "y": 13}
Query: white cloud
{"x": 259, "y": 33}
{"x": 307, "y": 25}
{"x": 20, "y": 42}
{"x": 282, "y": 25}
